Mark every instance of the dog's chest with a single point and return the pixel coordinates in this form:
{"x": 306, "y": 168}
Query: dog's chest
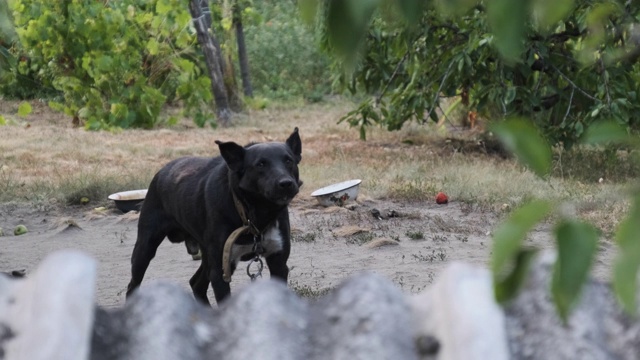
{"x": 272, "y": 242}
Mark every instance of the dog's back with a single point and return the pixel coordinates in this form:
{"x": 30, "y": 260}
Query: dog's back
{"x": 184, "y": 181}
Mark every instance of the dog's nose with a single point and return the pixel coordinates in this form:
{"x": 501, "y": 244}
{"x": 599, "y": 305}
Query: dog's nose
{"x": 286, "y": 183}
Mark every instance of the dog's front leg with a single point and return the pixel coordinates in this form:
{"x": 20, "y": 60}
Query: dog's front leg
{"x": 277, "y": 264}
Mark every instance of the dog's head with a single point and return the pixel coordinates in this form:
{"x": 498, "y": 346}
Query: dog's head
{"x": 267, "y": 170}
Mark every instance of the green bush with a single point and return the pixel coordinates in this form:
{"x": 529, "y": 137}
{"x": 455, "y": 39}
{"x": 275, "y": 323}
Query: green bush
{"x": 115, "y": 63}
{"x": 284, "y": 55}
{"x": 18, "y": 80}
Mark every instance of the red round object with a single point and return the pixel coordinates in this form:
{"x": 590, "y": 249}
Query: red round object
{"x": 441, "y": 198}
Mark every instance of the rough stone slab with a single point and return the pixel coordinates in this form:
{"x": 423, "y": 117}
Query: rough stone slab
{"x": 367, "y": 317}
{"x": 160, "y": 321}
{"x": 597, "y": 328}
{"x": 265, "y": 320}
{"x": 49, "y": 315}
{"x": 459, "y": 310}
{"x": 7, "y": 299}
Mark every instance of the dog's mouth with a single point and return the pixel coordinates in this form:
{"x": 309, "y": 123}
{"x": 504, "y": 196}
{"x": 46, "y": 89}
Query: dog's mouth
{"x": 283, "y": 200}
{"x": 283, "y": 197}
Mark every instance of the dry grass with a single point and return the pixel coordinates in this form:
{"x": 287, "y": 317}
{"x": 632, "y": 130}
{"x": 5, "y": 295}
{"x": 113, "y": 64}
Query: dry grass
{"x": 48, "y": 161}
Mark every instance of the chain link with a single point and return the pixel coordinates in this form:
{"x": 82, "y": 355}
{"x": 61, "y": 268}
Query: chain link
{"x": 258, "y": 250}
{"x": 258, "y": 273}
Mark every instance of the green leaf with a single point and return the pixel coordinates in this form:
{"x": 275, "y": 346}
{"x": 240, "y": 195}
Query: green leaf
{"x": 508, "y": 286}
{"x": 363, "y": 133}
{"x": 508, "y": 19}
{"x": 163, "y": 7}
{"x": 604, "y": 132}
{"x": 347, "y": 24}
{"x": 7, "y": 60}
{"x": 597, "y": 18}
{"x": 522, "y": 138}
{"x": 172, "y": 120}
{"x": 599, "y": 13}
{"x": 449, "y": 7}
{"x": 509, "y": 236}
{"x": 308, "y": 10}
{"x": 577, "y": 244}
{"x": 549, "y": 12}
{"x": 412, "y": 10}
{"x": 24, "y": 109}
{"x": 153, "y": 46}
{"x": 510, "y": 95}
{"x": 625, "y": 271}
{"x": 2, "y": 120}
{"x": 105, "y": 63}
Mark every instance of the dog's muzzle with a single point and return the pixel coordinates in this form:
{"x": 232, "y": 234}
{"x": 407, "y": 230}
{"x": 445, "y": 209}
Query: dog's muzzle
{"x": 285, "y": 190}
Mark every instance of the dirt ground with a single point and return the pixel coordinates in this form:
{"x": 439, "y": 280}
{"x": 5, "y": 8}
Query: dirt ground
{"x": 329, "y": 244}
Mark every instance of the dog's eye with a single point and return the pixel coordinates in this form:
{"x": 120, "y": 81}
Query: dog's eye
{"x": 288, "y": 161}
{"x": 261, "y": 164}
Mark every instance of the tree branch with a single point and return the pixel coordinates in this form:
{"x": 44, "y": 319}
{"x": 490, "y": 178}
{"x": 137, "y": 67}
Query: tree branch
{"x": 435, "y": 99}
{"x": 456, "y": 30}
{"x": 393, "y": 75}
{"x": 566, "y": 78}
{"x": 566, "y": 114}
{"x": 559, "y": 37}
{"x": 606, "y": 82}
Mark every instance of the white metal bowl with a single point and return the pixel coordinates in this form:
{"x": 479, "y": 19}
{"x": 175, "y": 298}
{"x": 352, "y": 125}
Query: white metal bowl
{"x": 338, "y": 194}
{"x": 129, "y": 200}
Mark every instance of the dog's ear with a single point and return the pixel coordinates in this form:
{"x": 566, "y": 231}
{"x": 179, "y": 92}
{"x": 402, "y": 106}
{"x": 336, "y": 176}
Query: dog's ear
{"x": 295, "y": 144}
{"x": 232, "y": 153}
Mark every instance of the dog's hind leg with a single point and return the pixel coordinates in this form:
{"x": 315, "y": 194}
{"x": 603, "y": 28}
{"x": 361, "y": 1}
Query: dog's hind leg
{"x": 150, "y": 235}
{"x": 200, "y": 283}
{"x": 221, "y": 288}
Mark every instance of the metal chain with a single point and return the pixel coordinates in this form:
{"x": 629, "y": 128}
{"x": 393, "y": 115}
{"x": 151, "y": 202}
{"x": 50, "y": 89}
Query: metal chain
{"x": 258, "y": 250}
{"x": 258, "y": 273}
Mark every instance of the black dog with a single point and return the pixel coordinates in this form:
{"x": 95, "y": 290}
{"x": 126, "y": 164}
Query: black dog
{"x": 202, "y": 201}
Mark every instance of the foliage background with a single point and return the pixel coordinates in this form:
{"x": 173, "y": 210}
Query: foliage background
{"x": 563, "y": 70}
{"x": 116, "y": 64}
{"x": 284, "y": 53}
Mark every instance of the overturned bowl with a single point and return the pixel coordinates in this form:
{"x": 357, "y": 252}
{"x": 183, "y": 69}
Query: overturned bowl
{"x": 338, "y": 194}
{"x": 129, "y": 200}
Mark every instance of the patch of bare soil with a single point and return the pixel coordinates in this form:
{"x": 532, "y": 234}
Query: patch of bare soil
{"x": 406, "y": 242}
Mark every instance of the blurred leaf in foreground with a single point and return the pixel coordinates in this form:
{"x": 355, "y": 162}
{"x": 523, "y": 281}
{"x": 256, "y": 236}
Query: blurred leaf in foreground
{"x": 523, "y": 139}
{"x": 507, "y": 254}
{"x": 577, "y": 244}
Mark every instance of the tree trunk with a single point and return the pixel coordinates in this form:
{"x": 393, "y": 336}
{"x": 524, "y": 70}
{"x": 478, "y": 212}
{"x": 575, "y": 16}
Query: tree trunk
{"x": 242, "y": 51}
{"x": 226, "y": 65}
{"x": 207, "y": 18}
{"x": 212, "y": 58}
